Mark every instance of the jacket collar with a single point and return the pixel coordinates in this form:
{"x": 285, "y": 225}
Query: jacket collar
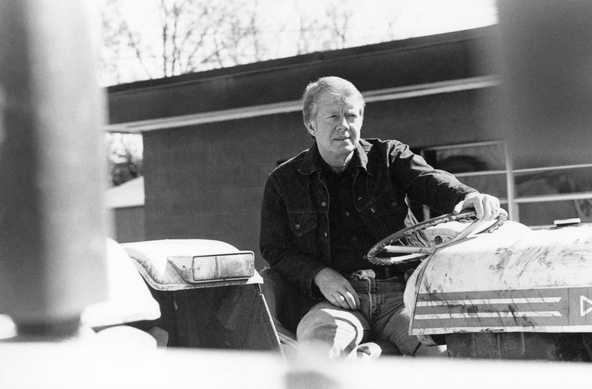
{"x": 312, "y": 159}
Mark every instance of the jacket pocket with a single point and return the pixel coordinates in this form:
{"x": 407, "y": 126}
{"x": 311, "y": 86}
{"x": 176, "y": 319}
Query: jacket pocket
{"x": 389, "y": 210}
{"x": 389, "y": 204}
{"x": 302, "y": 223}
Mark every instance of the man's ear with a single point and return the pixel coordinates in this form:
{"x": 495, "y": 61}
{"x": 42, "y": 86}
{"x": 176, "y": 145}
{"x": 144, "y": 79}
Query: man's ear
{"x": 310, "y": 129}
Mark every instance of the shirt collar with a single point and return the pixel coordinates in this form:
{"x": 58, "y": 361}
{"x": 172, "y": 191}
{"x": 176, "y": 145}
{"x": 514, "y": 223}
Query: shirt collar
{"x": 312, "y": 158}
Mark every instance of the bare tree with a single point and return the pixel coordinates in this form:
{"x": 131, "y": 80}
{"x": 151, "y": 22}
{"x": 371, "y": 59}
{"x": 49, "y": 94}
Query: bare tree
{"x": 192, "y": 35}
{"x": 114, "y": 30}
{"x": 124, "y": 157}
{"x": 195, "y": 35}
{"x": 339, "y": 18}
{"x": 185, "y": 36}
{"x": 326, "y": 29}
{"x": 310, "y": 32}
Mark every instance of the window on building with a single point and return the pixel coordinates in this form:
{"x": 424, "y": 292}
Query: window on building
{"x": 535, "y": 197}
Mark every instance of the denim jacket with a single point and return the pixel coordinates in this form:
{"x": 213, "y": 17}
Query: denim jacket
{"x": 294, "y": 236}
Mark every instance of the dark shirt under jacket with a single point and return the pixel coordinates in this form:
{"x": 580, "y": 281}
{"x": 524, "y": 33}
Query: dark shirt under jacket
{"x": 296, "y": 237}
{"x": 350, "y": 239}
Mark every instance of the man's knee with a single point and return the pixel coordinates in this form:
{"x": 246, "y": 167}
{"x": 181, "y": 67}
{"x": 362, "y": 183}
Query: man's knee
{"x": 336, "y": 330}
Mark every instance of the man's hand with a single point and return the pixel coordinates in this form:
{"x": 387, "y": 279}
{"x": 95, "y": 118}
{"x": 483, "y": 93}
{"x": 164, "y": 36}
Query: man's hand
{"x": 486, "y": 206}
{"x": 336, "y": 289}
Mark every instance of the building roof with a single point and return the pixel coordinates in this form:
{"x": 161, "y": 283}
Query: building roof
{"x": 398, "y": 69}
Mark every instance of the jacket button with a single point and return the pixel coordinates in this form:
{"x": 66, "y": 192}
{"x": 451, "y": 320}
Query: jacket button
{"x": 326, "y": 234}
{"x": 324, "y": 204}
{"x": 297, "y": 226}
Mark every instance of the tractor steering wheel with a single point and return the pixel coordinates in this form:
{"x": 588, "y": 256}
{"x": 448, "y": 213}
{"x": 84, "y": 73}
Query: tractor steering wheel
{"x": 381, "y": 252}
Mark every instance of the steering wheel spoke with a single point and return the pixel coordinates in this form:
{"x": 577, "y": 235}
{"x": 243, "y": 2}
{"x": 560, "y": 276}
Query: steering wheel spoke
{"x": 409, "y": 250}
{"x": 382, "y": 252}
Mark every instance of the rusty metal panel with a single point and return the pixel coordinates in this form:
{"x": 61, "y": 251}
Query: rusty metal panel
{"x": 518, "y": 346}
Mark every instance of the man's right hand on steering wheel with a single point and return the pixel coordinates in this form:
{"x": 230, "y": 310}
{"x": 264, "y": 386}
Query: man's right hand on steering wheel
{"x": 486, "y": 206}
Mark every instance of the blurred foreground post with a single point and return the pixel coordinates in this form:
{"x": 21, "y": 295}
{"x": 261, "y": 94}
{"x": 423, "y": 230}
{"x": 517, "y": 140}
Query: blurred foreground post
{"x": 52, "y": 237}
{"x": 546, "y": 50}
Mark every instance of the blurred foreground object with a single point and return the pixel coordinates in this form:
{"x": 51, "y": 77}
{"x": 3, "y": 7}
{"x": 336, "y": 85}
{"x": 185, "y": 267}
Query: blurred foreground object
{"x": 546, "y": 52}
{"x": 52, "y": 256}
{"x": 71, "y": 366}
{"x": 129, "y": 299}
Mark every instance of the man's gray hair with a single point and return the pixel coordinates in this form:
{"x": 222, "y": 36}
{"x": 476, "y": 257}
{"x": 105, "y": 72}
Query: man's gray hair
{"x": 340, "y": 88}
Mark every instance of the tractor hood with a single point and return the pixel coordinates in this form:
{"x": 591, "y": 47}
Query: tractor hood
{"x": 515, "y": 279}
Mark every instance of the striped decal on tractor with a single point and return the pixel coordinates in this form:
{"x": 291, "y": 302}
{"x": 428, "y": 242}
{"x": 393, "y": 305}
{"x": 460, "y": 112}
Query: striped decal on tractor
{"x": 557, "y": 309}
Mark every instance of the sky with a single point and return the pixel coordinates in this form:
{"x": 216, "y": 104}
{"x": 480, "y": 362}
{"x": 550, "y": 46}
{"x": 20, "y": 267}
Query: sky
{"x": 409, "y": 18}
{"x": 372, "y": 21}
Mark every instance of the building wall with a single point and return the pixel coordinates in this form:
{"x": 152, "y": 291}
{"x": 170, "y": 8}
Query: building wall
{"x": 208, "y": 182}
{"x": 125, "y": 203}
{"x": 129, "y": 224}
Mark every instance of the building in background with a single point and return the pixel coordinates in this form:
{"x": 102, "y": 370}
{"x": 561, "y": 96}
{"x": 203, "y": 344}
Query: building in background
{"x": 125, "y": 203}
{"x": 211, "y": 138}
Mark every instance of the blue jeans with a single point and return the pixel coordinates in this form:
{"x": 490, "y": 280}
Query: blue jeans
{"x": 380, "y": 317}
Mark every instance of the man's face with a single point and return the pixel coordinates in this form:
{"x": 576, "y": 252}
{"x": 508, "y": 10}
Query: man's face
{"x": 336, "y": 126}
